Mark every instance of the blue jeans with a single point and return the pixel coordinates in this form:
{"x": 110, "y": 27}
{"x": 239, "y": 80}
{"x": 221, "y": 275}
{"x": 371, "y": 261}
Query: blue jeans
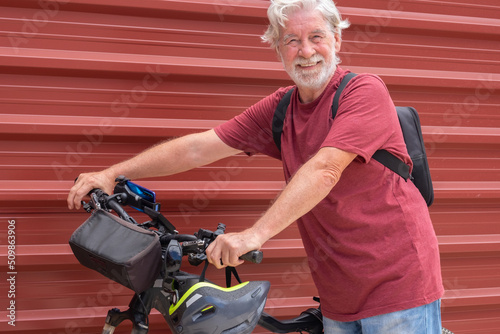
{"x": 424, "y": 319}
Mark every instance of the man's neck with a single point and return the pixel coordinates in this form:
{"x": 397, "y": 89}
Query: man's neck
{"x": 307, "y": 95}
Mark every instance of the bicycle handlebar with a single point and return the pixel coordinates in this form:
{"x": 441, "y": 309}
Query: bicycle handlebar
{"x": 254, "y": 256}
{"x": 193, "y": 246}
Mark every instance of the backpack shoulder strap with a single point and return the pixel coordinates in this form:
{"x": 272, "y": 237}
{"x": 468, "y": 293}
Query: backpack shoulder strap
{"x": 336, "y": 98}
{"x": 384, "y": 157}
{"x": 393, "y": 163}
{"x": 279, "y": 117}
{"x": 280, "y": 111}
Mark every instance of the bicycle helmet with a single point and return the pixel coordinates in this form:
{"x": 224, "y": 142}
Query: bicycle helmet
{"x": 206, "y": 308}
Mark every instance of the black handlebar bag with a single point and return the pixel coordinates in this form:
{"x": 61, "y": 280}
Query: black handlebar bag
{"x": 119, "y": 250}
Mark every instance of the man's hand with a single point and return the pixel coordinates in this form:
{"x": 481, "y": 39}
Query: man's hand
{"x": 86, "y": 182}
{"x": 227, "y": 248}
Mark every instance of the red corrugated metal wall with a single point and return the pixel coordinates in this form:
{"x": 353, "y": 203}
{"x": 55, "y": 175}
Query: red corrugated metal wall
{"x": 86, "y": 83}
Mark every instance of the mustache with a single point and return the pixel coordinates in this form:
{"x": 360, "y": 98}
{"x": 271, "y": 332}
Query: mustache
{"x": 308, "y": 61}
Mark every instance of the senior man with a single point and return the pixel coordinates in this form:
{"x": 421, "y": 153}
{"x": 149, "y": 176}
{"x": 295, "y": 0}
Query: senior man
{"x": 371, "y": 246}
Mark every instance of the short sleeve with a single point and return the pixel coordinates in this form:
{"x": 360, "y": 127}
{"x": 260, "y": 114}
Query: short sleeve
{"x": 251, "y": 130}
{"x": 366, "y": 119}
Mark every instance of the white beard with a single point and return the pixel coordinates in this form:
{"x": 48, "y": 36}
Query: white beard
{"x": 312, "y": 79}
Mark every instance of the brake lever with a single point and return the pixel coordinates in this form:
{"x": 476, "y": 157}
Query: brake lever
{"x": 196, "y": 259}
{"x": 93, "y": 204}
{"x": 87, "y": 206}
{"x": 95, "y": 201}
{"x": 195, "y": 251}
{"x": 254, "y": 256}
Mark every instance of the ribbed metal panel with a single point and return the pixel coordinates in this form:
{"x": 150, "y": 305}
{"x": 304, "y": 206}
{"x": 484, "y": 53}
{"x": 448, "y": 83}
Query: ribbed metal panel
{"x": 87, "y": 83}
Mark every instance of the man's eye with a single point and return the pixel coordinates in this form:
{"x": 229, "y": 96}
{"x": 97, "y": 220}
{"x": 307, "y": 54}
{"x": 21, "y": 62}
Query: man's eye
{"x": 292, "y": 42}
{"x": 317, "y": 38}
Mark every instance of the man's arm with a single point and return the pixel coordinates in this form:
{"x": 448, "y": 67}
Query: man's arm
{"x": 312, "y": 183}
{"x": 166, "y": 158}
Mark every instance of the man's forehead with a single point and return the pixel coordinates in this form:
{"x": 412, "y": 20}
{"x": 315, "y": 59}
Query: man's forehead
{"x": 314, "y": 31}
{"x": 306, "y": 29}
{"x": 313, "y": 22}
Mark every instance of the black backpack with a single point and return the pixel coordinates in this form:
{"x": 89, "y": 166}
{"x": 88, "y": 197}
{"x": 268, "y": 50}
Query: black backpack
{"x": 412, "y": 133}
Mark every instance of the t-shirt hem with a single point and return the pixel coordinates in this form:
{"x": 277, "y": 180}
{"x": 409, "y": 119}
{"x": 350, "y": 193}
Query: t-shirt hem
{"x": 384, "y": 309}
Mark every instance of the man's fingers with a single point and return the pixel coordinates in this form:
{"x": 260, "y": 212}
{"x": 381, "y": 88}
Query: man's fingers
{"x": 79, "y": 190}
{"x": 71, "y": 198}
{"x": 74, "y": 197}
{"x": 214, "y": 255}
{"x": 231, "y": 258}
{"x": 85, "y": 183}
{"x": 223, "y": 251}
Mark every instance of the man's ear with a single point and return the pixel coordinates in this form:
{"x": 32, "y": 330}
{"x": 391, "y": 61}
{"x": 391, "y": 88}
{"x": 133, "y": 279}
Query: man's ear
{"x": 338, "y": 43}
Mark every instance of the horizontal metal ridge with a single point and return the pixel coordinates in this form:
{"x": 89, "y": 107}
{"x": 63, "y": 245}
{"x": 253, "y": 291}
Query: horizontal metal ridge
{"x": 164, "y": 127}
{"x": 424, "y": 21}
{"x": 472, "y": 297}
{"x": 47, "y": 254}
{"x": 469, "y": 243}
{"x": 48, "y": 190}
{"x": 136, "y": 63}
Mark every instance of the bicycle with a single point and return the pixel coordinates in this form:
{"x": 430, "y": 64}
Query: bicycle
{"x": 189, "y": 302}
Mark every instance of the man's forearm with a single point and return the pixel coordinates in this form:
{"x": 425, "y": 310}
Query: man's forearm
{"x": 167, "y": 158}
{"x": 172, "y": 157}
{"x": 160, "y": 160}
{"x": 311, "y": 184}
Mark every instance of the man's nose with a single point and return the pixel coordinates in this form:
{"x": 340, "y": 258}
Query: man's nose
{"x": 307, "y": 49}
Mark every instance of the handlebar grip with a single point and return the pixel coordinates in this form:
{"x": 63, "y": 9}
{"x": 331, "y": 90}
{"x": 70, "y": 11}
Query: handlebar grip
{"x": 254, "y": 256}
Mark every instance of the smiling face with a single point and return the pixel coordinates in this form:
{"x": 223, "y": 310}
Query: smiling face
{"x": 307, "y": 48}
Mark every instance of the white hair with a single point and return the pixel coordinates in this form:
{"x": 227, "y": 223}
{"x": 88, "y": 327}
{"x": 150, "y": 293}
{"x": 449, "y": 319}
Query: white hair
{"x": 279, "y": 10}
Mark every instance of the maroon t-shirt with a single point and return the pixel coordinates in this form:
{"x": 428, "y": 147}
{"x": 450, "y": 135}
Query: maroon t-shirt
{"x": 370, "y": 243}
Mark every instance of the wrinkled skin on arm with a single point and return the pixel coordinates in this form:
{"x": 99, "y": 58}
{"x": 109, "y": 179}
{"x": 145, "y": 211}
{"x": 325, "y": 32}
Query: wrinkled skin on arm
{"x": 312, "y": 182}
{"x": 166, "y": 158}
